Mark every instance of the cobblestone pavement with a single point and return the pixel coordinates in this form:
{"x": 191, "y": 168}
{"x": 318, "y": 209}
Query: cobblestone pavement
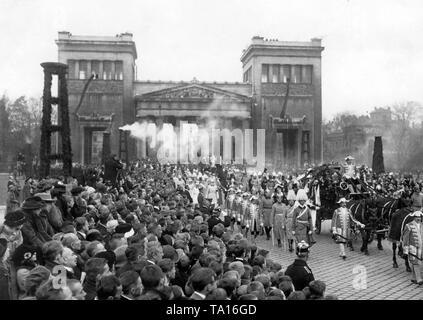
{"x": 383, "y": 282}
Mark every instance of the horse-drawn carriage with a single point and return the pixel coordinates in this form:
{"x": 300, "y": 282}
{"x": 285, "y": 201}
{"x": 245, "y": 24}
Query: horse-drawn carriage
{"x": 379, "y": 214}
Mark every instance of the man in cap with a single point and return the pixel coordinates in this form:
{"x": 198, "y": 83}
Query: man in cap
{"x": 342, "y": 222}
{"x": 412, "y": 239}
{"x": 80, "y": 205}
{"x": 299, "y": 271}
{"x": 53, "y": 214}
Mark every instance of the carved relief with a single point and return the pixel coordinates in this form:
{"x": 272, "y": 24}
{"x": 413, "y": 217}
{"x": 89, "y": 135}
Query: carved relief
{"x": 185, "y": 93}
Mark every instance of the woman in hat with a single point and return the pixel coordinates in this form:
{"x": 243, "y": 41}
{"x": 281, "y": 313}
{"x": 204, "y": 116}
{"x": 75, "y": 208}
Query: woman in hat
{"x": 412, "y": 239}
{"x": 342, "y": 221}
{"x": 24, "y": 259}
{"x": 291, "y": 197}
{"x": 36, "y": 229}
{"x": 302, "y": 225}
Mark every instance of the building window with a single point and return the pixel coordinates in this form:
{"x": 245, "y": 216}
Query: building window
{"x": 247, "y": 75}
{"x": 83, "y": 69}
{"x": 118, "y": 70}
{"x": 95, "y": 68}
{"x": 265, "y": 73}
{"x": 307, "y": 72}
{"x": 107, "y": 70}
{"x": 296, "y": 74}
{"x": 285, "y": 71}
{"x": 71, "y": 69}
{"x": 275, "y": 73}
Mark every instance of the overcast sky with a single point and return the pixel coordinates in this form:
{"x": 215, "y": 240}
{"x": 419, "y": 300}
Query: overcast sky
{"x": 373, "y": 50}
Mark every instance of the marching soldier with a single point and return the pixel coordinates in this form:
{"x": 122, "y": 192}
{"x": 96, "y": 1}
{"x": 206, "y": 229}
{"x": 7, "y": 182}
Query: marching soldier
{"x": 278, "y": 216}
{"x": 236, "y": 208}
{"x": 412, "y": 240}
{"x": 253, "y": 216}
{"x": 229, "y": 204}
{"x": 267, "y": 204}
{"x": 342, "y": 222}
{"x": 302, "y": 225}
{"x": 291, "y": 197}
{"x": 243, "y": 212}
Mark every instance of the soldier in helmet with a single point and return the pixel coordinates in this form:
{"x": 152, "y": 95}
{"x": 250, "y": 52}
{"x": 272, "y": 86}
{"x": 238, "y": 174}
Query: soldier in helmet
{"x": 302, "y": 224}
{"x": 299, "y": 271}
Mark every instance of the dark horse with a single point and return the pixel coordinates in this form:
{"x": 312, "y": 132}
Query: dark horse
{"x": 397, "y": 222}
{"x": 375, "y": 213}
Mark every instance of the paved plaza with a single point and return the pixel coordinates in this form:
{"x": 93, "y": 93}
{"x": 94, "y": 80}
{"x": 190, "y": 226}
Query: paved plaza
{"x": 379, "y": 280}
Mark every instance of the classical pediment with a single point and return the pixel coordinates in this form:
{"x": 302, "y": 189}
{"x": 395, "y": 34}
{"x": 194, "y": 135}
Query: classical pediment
{"x": 191, "y": 92}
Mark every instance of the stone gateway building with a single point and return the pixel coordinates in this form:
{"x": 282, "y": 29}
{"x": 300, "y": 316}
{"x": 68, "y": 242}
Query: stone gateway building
{"x": 116, "y": 98}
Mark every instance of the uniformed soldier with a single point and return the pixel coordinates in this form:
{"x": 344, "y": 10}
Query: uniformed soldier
{"x": 243, "y": 212}
{"x": 253, "y": 216}
{"x": 342, "y": 222}
{"x": 291, "y": 197}
{"x": 302, "y": 224}
{"x": 267, "y": 203}
{"x": 278, "y": 216}
{"x": 229, "y": 204}
{"x": 413, "y": 246}
{"x": 299, "y": 271}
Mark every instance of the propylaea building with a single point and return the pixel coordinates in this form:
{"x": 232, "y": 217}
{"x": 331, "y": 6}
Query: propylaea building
{"x": 116, "y": 98}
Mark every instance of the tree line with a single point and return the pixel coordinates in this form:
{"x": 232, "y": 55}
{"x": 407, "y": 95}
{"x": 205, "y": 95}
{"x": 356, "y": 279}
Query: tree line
{"x": 20, "y": 122}
{"x": 401, "y": 128}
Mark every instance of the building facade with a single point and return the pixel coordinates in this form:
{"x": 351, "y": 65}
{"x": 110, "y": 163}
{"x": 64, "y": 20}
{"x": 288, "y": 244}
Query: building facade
{"x": 117, "y": 98}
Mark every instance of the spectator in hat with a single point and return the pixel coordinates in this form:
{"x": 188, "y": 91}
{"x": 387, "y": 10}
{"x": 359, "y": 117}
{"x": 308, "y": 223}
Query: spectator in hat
{"x": 299, "y": 271}
{"x": 59, "y": 192}
{"x": 53, "y": 214}
{"x": 11, "y": 230}
{"x": 80, "y": 205}
{"x": 36, "y": 230}
{"x": 111, "y": 169}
